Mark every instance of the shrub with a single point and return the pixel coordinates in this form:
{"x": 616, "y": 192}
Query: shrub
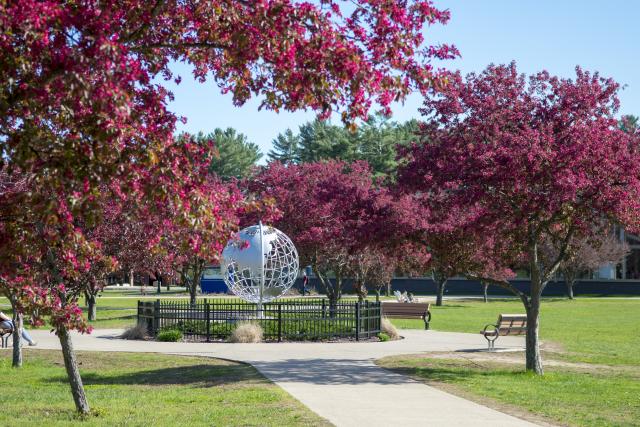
{"x": 383, "y": 337}
{"x": 135, "y": 332}
{"x": 246, "y": 332}
{"x": 388, "y": 329}
{"x": 169, "y": 335}
{"x": 190, "y": 326}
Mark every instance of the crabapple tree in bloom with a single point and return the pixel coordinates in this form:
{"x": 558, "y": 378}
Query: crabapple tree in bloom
{"x": 130, "y": 234}
{"x": 530, "y": 160}
{"x": 13, "y": 271}
{"x": 338, "y": 217}
{"x": 214, "y": 210}
{"x": 584, "y": 254}
{"x": 83, "y": 105}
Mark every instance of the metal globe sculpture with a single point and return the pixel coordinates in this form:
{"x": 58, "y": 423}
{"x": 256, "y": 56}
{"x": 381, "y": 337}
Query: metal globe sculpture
{"x": 260, "y": 265}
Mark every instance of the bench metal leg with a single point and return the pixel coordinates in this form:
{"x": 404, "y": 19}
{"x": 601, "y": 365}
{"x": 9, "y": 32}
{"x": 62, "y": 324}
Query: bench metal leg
{"x": 491, "y": 344}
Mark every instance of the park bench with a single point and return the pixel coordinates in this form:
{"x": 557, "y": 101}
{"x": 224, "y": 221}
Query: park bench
{"x": 507, "y": 324}
{"x": 408, "y": 310}
{"x": 5, "y": 333}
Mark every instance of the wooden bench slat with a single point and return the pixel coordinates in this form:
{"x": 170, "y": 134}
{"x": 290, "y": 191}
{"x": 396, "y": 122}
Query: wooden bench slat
{"x": 507, "y": 324}
{"x": 410, "y": 310}
{"x": 512, "y": 325}
{"x": 512, "y": 331}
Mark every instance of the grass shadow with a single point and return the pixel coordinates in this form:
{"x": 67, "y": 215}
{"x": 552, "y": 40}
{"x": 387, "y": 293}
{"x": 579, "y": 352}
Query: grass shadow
{"x": 456, "y": 371}
{"x": 201, "y": 375}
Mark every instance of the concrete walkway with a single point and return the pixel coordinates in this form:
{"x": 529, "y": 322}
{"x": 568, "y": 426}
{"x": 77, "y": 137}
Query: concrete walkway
{"x": 338, "y": 381}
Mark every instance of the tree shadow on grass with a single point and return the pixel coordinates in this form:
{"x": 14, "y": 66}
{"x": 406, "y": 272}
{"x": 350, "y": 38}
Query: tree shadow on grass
{"x": 456, "y": 373}
{"x": 202, "y": 375}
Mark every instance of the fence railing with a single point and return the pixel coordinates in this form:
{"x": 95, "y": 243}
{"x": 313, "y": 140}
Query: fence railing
{"x": 290, "y": 319}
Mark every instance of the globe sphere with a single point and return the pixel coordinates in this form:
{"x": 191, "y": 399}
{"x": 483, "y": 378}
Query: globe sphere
{"x": 260, "y": 264}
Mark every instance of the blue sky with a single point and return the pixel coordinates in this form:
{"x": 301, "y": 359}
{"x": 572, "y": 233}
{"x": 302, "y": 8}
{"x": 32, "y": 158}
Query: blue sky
{"x": 552, "y": 35}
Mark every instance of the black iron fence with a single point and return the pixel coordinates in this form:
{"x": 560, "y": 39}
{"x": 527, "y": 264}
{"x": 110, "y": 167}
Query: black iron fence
{"x": 289, "y": 319}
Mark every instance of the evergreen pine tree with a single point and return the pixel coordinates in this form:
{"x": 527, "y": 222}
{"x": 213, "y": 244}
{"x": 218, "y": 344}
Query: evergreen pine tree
{"x": 285, "y": 148}
{"x": 236, "y": 155}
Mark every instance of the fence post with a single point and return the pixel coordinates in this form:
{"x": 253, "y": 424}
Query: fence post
{"x": 324, "y": 308}
{"x": 367, "y": 314}
{"x": 156, "y": 317}
{"x": 279, "y": 322}
{"x": 358, "y": 321}
{"x": 208, "y": 317}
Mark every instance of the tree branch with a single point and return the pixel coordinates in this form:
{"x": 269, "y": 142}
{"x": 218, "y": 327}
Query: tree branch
{"x": 500, "y": 283}
{"x": 561, "y": 255}
{"x": 136, "y": 34}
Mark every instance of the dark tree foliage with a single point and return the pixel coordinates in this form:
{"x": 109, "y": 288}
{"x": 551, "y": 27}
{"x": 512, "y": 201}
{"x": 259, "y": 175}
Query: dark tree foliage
{"x": 236, "y": 155}
{"x": 630, "y": 124}
{"x": 374, "y": 141}
{"x": 285, "y": 148}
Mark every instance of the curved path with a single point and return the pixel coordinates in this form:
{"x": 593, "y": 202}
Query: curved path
{"x": 338, "y": 381}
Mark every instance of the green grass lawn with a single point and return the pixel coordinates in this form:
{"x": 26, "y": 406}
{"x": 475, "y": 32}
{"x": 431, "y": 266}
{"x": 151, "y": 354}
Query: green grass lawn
{"x": 145, "y": 390}
{"x": 118, "y": 308}
{"x": 591, "y": 330}
{"x": 598, "y": 398}
{"x": 115, "y": 308}
{"x": 588, "y": 330}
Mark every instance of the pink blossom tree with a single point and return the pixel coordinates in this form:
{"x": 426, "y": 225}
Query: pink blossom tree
{"x": 588, "y": 253}
{"x": 83, "y": 103}
{"x": 193, "y": 246}
{"x": 13, "y": 277}
{"x": 529, "y": 161}
{"x": 311, "y": 214}
{"x": 129, "y": 234}
{"x": 338, "y": 217}
{"x": 406, "y": 258}
{"x": 441, "y": 232}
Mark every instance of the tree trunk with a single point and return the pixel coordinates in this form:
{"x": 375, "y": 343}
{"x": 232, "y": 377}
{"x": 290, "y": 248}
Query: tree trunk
{"x": 570, "y": 284}
{"x": 193, "y": 283}
{"x": 197, "y": 277}
{"x": 533, "y": 357}
{"x": 131, "y": 277}
{"x": 333, "y": 291}
{"x": 91, "y": 307}
{"x": 71, "y": 365}
{"x": 360, "y": 289}
{"x": 569, "y": 280}
{"x": 18, "y": 324}
{"x": 534, "y": 360}
{"x": 193, "y": 293}
{"x": 389, "y": 289}
{"x": 485, "y": 286}
{"x": 333, "y": 304}
{"x": 441, "y": 282}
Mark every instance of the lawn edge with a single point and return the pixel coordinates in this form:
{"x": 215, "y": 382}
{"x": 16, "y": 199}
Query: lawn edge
{"x": 506, "y": 408}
